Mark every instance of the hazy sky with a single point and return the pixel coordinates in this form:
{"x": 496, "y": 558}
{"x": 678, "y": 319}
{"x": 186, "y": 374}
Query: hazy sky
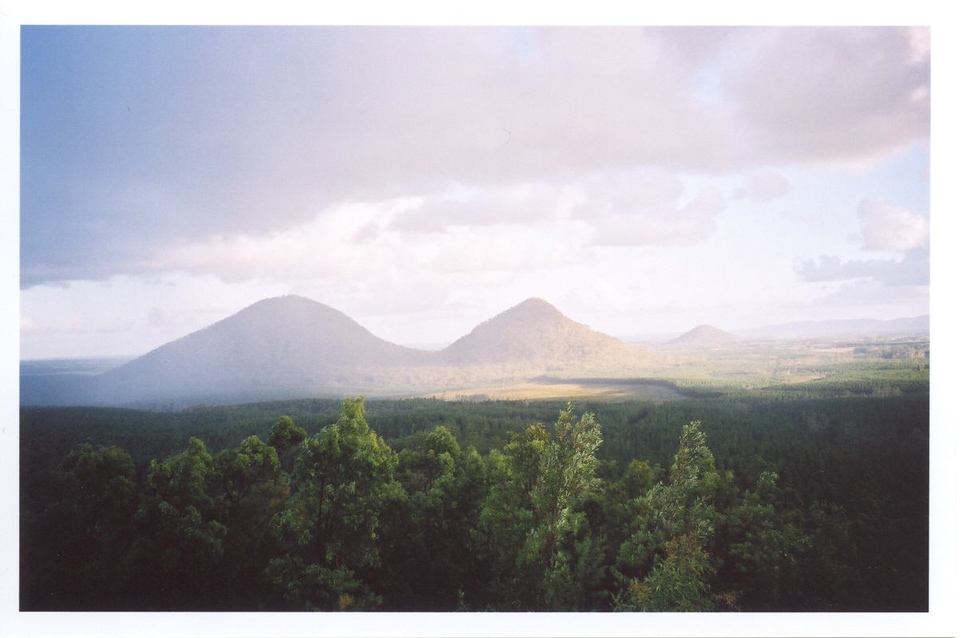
{"x": 423, "y": 179}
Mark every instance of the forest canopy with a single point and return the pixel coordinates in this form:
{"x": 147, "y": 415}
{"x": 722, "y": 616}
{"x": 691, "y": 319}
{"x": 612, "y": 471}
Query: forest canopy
{"x": 423, "y": 505}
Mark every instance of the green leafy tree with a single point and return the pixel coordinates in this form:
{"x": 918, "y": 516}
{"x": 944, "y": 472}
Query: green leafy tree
{"x": 763, "y": 548}
{"x": 426, "y": 555}
{"x": 678, "y": 582}
{"x": 252, "y": 490}
{"x": 285, "y": 435}
{"x": 177, "y": 554}
{"x": 328, "y": 534}
{"x": 75, "y": 547}
{"x": 432, "y": 455}
{"x": 566, "y": 477}
{"x": 531, "y": 524}
{"x": 674, "y": 524}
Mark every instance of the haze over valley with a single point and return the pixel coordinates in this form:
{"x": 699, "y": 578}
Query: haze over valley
{"x": 291, "y": 346}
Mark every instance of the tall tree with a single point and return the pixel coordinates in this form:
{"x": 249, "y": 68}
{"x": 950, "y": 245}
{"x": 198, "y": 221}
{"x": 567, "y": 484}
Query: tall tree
{"x": 428, "y": 551}
{"x": 178, "y": 550}
{"x": 530, "y": 522}
{"x": 329, "y": 532}
{"x": 665, "y": 562}
{"x": 566, "y": 478}
{"x": 252, "y": 489}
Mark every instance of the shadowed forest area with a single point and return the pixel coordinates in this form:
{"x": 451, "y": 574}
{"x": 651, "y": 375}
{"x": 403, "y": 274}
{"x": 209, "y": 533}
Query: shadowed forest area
{"x": 804, "y": 497}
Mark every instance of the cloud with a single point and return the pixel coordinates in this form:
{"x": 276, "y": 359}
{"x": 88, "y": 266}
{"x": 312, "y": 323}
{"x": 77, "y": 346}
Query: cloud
{"x": 622, "y": 220}
{"x": 875, "y": 298}
{"x": 139, "y": 143}
{"x": 358, "y": 243}
{"x": 912, "y": 270}
{"x": 519, "y": 204}
{"x": 764, "y": 185}
{"x": 342, "y": 241}
{"x": 29, "y": 325}
{"x": 886, "y": 227}
{"x": 833, "y": 95}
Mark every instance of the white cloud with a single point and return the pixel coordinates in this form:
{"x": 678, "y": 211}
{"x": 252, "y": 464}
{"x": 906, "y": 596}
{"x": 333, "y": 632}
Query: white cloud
{"x": 358, "y": 242}
{"x": 886, "y": 227}
{"x": 664, "y": 224}
{"x": 763, "y": 185}
{"x": 332, "y": 245}
{"x": 29, "y": 325}
{"x": 523, "y": 203}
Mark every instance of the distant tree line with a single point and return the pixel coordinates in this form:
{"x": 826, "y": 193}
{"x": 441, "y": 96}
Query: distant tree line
{"x": 805, "y": 505}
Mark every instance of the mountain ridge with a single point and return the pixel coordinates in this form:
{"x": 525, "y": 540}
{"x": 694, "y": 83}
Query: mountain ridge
{"x": 705, "y": 335}
{"x": 292, "y": 346}
{"x": 838, "y": 328}
{"x": 295, "y": 347}
{"x": 533, "y": 330}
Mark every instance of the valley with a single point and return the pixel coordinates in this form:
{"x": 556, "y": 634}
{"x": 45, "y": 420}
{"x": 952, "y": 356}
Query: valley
{"x": 293, "y": 347}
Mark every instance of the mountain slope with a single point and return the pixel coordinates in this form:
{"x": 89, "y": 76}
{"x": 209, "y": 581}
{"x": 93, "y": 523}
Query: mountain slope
{"x": 291, "y": 347}
{"x": 276, "y": 344}
{"x": 535, "y": 336}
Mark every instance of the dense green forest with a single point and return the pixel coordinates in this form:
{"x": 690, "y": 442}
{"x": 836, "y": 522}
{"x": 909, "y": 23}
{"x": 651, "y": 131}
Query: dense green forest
{"x": 811, "y": 497}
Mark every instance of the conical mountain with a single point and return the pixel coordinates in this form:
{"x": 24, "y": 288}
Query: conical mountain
{"x": 283, "y": 343}
{"x": 535, "y": 336}
{"x": 290, "y": 347}
{"x": 706, "y": 336}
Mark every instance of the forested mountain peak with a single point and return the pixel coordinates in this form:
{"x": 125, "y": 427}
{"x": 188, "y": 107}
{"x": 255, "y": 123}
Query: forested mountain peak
{"x": 536, "y": 333}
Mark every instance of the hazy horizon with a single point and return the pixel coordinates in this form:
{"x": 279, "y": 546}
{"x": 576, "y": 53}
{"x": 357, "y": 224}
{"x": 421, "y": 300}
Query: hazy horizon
{"x": 640, "y": 338}
{"x": 423, "y": 179}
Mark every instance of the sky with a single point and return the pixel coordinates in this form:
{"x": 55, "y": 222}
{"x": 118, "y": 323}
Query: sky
{"x": 644, "y": 180}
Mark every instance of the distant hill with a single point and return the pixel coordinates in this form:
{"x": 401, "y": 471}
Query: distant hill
{"x": 535, "y": 336}
{"x": 841, "y": 328}
{"x": 706, "y": 336}
{"x": 290, "y": 347}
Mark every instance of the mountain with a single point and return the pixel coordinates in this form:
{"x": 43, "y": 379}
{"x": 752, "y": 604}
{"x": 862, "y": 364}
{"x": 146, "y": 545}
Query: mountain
{"x": 271, "y": 347}
{"x": 535, "y": 337}
{"x": 841, "y": 328}
{"x": 705, "y": 336}
{"x": 292, "y": 347}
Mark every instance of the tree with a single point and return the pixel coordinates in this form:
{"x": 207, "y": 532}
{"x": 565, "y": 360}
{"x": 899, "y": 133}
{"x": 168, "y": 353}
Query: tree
{"x": 433, "y": 454}
{"x": 678, "y": 582}
{"x": 328, "y": 534}
{"x": 763, "y": 547}
{"x": 666, "y": 560}
{"x": 252, "y": 489}
{"x": 75, "y": 548}
{"x": 566, "y": 477}
{"x": 179, "y": 546}
{"x": 530, "y": 522}
{"x": 285, "y": 435}
{"x": 426, "y": 558}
